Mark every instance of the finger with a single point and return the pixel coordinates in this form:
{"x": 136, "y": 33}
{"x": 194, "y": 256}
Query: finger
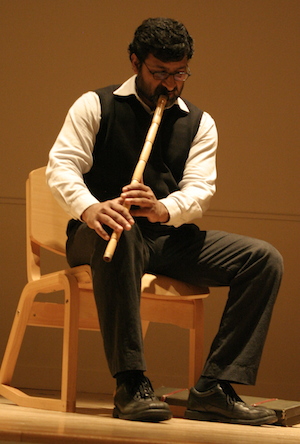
{"x": 140, "y": 212}
{"x": 135, "y": 186}
{"x": 141, "y": 202}
{"x": 131, "y": 197}
{"x": 116, "y": 224}
{"x": 100, "y": 231}
{"x": 118, "y": 220}
{"x": 121, "y": 215}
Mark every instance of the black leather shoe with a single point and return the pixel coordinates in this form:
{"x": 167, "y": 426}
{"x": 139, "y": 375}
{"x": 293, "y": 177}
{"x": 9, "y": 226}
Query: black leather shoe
{"x": 222, "y": 404}
{"x": 135, "y": 400}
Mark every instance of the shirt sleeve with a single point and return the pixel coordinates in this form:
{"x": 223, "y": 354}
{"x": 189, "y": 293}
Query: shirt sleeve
{"x": 72, "y": 155}
{"x": 198, "y": 182}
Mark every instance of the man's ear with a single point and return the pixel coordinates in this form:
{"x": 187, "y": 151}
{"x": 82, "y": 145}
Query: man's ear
{"x": 135, "y": 63}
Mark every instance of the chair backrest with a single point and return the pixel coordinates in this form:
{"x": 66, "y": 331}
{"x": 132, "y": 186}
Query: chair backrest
{"x": 46, "y": 221}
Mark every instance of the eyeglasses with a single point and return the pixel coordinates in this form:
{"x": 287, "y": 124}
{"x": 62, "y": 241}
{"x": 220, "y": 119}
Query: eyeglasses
{"x": 180, "y": 76}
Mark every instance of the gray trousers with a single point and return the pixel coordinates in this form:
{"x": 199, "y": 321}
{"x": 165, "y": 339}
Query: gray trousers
{"x": 251, "y": 268}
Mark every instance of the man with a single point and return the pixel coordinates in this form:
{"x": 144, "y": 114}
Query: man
{"x": 89, "y": 171}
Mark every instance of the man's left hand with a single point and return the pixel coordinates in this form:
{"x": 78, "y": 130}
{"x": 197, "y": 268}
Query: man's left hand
{"x": 140, "y": 195}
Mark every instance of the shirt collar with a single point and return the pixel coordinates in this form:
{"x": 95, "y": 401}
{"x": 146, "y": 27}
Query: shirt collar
{"x": 128, "y": 89}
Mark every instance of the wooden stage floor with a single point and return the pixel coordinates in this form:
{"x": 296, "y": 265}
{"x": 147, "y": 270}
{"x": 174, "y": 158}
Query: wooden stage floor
{"x": 93, "y": 423}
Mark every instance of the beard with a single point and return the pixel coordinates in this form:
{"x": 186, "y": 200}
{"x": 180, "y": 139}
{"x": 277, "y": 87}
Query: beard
{"x": 150, "y": 96}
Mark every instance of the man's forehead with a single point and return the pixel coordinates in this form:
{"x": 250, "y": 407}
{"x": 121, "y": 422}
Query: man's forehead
{"x": 159, "y": 64}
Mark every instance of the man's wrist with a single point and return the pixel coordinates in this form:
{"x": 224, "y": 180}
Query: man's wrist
{"x": 165, "y": 216}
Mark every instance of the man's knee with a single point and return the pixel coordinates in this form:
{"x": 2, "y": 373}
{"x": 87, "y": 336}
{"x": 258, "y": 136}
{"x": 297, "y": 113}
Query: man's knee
{"x": 273, "y": 259}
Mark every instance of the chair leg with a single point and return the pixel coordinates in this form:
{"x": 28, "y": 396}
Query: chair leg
{"x": 52, "y": 283}
{"x": 196, "y": 344}
{"x": 17, "y": 334}
{"x": 70, "y": 347}
{"x": 145, "y": 325}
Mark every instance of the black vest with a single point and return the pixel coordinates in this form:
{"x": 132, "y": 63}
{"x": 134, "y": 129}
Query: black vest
{"x": 123, "y": 128}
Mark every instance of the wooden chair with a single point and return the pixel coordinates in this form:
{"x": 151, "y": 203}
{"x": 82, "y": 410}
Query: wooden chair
{"x": 163, "y": 300}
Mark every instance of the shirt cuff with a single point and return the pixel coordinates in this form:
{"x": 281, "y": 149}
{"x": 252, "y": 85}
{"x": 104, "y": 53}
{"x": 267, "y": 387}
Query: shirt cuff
{"x": 80, "y": 205}
{"x": 174, "y": 212}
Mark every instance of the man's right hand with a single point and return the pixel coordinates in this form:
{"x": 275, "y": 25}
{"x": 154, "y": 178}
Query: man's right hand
{"x": 111, "y": 213}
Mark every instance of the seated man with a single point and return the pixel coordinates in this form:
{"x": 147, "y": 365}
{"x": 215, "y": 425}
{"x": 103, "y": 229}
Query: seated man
{"x": 89, "y": 172}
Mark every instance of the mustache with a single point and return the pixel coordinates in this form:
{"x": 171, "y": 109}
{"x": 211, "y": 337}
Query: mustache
{"x": 162, "y": 90}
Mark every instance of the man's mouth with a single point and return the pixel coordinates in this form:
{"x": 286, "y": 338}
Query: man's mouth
{"x": 171, "y": 95}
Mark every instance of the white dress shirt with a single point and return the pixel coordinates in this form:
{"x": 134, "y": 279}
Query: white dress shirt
{"x": 72, "y": 155}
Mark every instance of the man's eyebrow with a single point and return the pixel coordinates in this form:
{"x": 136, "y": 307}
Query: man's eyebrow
{"x": 163, "y": 68}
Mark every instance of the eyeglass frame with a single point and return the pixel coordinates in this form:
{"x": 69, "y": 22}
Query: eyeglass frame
{"x": 167, "y": 75}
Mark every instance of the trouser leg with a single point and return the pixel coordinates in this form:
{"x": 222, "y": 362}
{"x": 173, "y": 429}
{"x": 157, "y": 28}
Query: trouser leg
{"x": 117, "y": 293}
{"x": 236, "y": 351}
{"x": 251, "y": 268}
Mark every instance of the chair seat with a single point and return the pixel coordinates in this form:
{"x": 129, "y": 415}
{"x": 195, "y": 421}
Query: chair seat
{"x": 163, "y": 286}
{"x": 157, "y": 291}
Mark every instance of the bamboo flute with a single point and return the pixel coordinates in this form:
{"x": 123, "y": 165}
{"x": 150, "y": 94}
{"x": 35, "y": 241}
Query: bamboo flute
{"x": 140, "y": 167}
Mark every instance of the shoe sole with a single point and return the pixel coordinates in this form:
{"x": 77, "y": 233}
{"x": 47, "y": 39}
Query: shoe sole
{"x": 151, "y": 415}
{"x": 203, "y": 416}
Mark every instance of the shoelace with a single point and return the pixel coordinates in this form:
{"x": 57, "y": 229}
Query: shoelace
{"x": 231, "y": 394}
{"x": 142, "y": 389}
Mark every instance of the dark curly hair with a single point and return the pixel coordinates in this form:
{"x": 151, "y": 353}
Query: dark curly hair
{"x": 166, "y": 39}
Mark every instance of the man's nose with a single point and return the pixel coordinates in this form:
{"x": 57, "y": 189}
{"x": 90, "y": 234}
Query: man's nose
{"x": 169, "y": 83}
